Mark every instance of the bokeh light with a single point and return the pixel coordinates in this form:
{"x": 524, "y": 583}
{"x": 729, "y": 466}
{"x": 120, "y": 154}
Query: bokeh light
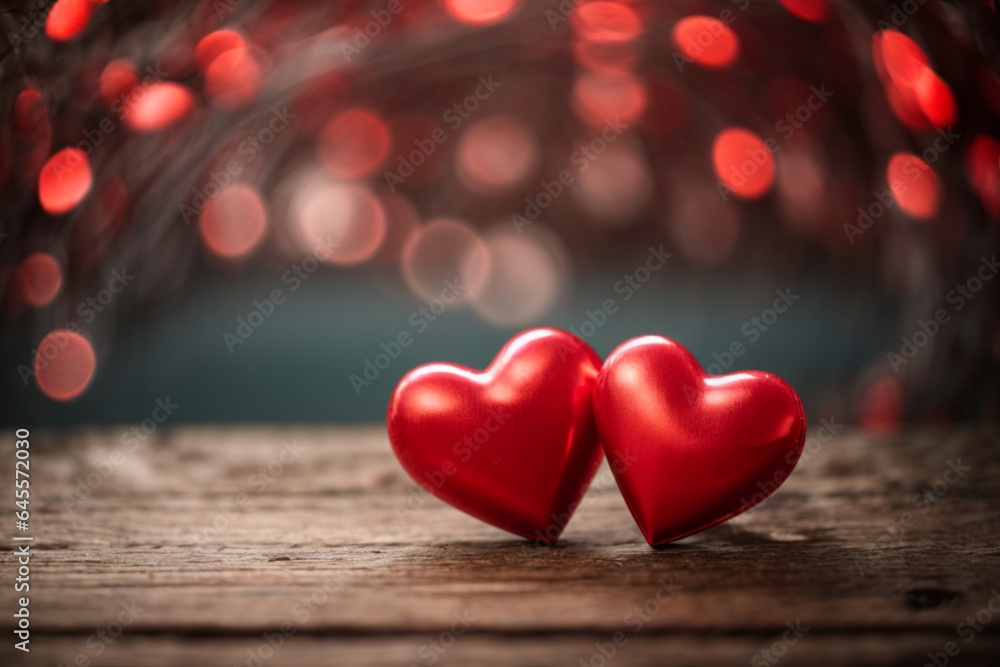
{"x": 982, "y": 167}
{"x": 603, "y": 98}
{"x": 38, "y": 278}
{"x": 214, "y": 44}
{"x": 68, "y": 18}
{"x": 232, "y": 69}
{"x": 898, "y": 56}
{"x": 982, "y": 159}
{"x": 158, "y": 106}
{"x": 935, "y": 99}
{"x": 29, "y": 113}
{"x": 616, "y": 57}
{"x": 917, "y": 95}
{"x": 808, "y": 10}
{"x": 616, "y": 186}
{"x": 524, "y": 283}
{"x": 914, "y": 185}
{"x": 604, "y": 22}
{"x": 881, "y": 406}
{"x": 117, "y": 80}
{"x": 479, "y": 11}
{"x": 338, "y": 223}
{"x": 495, "y": 154}
{"x": 233, "y": 78}
{"x": 64, "y": 365}
{"x": 743, "y": 162}
{"x": 441, "y": 143}
{"x": 354, "y": 144}
{"x": 233, "y": 222}
{"x": 446, "y": 257}
{"x": 64, "y": 182}
{"x": 706, "y": 41}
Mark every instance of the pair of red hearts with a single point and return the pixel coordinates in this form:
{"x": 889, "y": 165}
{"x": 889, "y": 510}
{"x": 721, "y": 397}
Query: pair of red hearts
{"x": 518, "y": 444}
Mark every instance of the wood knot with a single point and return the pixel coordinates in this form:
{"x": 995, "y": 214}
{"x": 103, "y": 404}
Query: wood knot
{"x": 929, "y": 598}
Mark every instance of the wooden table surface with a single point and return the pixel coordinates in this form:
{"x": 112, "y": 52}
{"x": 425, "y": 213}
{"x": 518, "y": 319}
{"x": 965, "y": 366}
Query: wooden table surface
{"x": 261, "y": 545}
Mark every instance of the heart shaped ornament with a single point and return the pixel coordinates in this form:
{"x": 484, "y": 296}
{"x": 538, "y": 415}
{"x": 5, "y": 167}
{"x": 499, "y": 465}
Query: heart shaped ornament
{"x": 692, "y": 449}
{"x": 515, "y": 445}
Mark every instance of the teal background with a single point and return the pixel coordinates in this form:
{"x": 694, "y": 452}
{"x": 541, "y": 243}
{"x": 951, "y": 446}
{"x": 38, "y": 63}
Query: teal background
{"x": 296, "y": 366}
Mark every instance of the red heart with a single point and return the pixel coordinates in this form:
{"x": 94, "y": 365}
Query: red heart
{"x": 690, "y": 450}
{"x": 515, "y": 445}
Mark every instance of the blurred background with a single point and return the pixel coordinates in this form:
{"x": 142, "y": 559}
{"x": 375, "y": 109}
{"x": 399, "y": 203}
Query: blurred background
{"x": 253, "y": 210}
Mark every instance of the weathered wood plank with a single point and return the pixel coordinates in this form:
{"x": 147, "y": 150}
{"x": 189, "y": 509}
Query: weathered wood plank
{"x": 641, "y": 650}
{"x": 337, "y": 541}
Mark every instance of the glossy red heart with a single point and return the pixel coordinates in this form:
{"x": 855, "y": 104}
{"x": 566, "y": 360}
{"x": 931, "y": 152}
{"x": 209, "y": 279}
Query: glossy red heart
{"x": 688, "y": 449}
{"x": 514, "y": 445}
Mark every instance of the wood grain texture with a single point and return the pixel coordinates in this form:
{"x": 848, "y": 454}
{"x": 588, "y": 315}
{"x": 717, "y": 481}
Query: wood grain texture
{"x": 221, "y": 536}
